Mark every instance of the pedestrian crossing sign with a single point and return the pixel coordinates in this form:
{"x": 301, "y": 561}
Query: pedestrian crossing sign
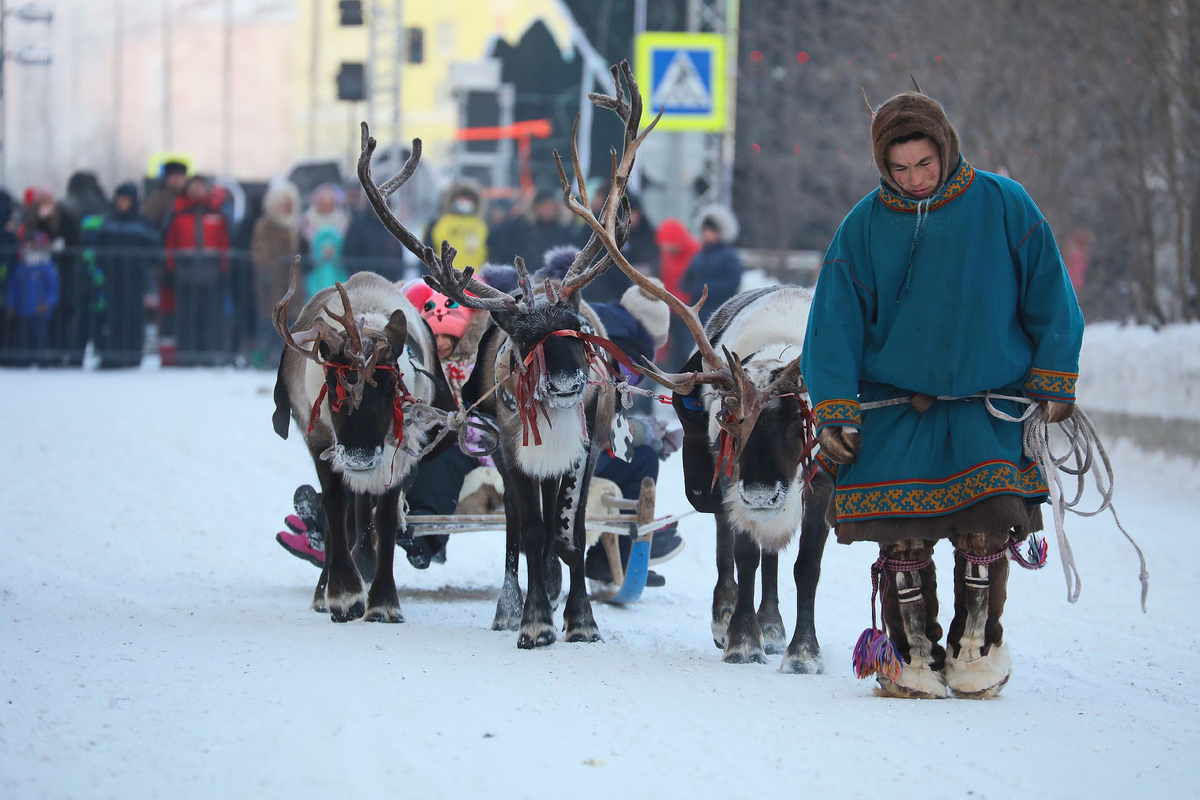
{"x": 683, "y": 74}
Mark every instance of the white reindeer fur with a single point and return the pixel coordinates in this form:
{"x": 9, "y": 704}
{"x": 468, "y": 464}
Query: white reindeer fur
{"x": 375, "y": 302}
{"x": 772, "y": 329}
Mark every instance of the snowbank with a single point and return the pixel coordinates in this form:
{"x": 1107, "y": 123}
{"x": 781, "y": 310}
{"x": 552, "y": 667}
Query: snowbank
{"x": 1136, "y": 370}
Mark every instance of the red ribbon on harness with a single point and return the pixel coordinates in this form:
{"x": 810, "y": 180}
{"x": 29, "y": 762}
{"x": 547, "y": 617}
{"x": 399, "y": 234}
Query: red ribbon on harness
{"x": 401, "y": 398}
{"x": 533, "y": 369}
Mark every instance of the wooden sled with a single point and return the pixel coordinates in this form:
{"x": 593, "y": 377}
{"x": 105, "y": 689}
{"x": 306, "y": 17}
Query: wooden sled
{"x": 629, "y": 577}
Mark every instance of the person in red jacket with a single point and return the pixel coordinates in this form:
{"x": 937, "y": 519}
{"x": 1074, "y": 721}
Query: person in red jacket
{"x": 676, "y": 247}
{"x": 196, "y": 277}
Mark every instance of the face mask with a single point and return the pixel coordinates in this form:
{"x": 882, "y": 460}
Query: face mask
{"x": 463, "y": 206}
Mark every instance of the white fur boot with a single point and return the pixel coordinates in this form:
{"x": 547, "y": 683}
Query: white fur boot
{"x": 981, "y": 677}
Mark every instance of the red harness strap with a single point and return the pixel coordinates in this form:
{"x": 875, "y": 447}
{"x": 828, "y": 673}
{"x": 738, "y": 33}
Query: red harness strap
{"x": 401, "y": 398}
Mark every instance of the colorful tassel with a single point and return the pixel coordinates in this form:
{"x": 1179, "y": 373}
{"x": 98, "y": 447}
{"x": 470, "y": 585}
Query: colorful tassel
{"x": 875, "y": 652}
{"x": 1038, "y": 551}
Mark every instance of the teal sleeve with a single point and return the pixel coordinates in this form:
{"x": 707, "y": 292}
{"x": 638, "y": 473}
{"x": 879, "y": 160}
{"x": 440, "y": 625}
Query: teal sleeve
{"x": 1049, "y": 310}
{"x": 833, "y": 344}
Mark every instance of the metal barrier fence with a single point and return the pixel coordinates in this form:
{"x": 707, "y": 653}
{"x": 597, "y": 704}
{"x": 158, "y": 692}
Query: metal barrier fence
{"x": 115, "y": 306}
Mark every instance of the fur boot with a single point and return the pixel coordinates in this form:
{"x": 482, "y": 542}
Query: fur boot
{"x": 910, "y": 610}
{"x": 978, "y": 664}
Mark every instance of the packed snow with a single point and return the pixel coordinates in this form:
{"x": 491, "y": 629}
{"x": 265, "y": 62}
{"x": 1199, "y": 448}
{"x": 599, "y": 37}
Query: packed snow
{"x": 156, "y": 641}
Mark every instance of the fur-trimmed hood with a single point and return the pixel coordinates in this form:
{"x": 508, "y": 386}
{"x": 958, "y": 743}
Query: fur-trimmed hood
{"x": 906, "y": 114}
{"x": 464, "y": 186}
{"x": 723, "y": 218}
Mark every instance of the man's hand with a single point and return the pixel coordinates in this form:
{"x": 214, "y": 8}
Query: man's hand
{"x": 840, "y": 444}
{"x": 1054, "y": 411}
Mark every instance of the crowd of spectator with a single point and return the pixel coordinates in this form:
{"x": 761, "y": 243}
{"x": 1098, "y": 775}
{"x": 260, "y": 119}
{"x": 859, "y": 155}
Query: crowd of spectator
{"x": 200, "y": 264}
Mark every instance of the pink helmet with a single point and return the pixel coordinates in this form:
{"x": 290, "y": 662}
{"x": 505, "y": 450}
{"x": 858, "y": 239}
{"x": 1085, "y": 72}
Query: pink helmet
{"x": 443, "y": 314}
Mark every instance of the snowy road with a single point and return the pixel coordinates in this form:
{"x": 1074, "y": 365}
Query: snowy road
{"x": 155, "y": 641}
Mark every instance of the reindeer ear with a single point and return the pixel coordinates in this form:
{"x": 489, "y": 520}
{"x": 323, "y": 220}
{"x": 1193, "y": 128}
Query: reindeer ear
{"x": 397, "y": 331}
{"x": 324, "y": 349}
{"x": 789, "y": 375}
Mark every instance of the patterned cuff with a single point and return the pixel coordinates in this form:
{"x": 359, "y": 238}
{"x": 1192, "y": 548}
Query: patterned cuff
{"x": 828, "y": 465}
{"x": 837, "y": 412}
{"x": 1044, "y": 384}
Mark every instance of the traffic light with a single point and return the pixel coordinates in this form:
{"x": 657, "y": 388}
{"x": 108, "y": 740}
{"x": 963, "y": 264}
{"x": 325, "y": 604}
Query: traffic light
{"x": 352, "y": 81}
{"x": 350, "y": 12}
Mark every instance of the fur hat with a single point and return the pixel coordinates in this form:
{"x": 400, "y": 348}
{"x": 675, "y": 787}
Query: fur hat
{"x": 558, "y": 261}
{"x": 499, "y": 276}
{"x": 648, "y": 310}
{"x": 904, "y": 115}
{"x": 721, "y": 218}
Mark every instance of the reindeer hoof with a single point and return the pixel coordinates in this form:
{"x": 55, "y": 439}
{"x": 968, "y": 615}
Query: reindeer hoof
{"x": 745, "y": 656}
{"x": 587, "y": 634}
{"x": 384, "y": 614}
{"x": 774, "y": 638}
{"x": 319, "y": 607}
{"x": 803, "y": 664}
{"x": 506, "y": 623}
{"x": 537, "y": 634}
{"x": 350, "y": 614}
{"x": 719, "y": 629}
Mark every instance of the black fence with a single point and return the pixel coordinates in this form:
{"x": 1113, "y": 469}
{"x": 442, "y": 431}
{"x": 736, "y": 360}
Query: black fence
{"x": 115, "y": 306}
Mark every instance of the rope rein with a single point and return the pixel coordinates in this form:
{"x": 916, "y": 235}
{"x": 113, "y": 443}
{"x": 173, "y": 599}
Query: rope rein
{"x": 1083, "y": 448}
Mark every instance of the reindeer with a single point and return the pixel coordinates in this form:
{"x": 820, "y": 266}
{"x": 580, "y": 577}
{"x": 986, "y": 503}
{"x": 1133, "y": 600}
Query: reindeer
{"x": 347, "y": 390}
{"x": 748, "y": 445}
{"x": 539, "y": 373}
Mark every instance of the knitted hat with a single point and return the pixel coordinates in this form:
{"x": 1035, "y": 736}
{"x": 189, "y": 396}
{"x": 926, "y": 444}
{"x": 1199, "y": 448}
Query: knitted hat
{"x": 499, "y": 276}
{"x": 444, "y": 315}
{"x": 648, "y": 310}
{"x": 904, "y": 115}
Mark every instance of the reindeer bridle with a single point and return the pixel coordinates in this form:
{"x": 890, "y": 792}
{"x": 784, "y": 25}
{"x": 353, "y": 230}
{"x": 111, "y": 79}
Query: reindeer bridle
{"x": 350, "y": 344}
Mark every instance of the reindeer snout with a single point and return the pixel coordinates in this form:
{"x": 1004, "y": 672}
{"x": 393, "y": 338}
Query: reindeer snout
{"x": 762, "y": 497}
{"x": 360, "y": 459}
{"x": 566, "y": 388}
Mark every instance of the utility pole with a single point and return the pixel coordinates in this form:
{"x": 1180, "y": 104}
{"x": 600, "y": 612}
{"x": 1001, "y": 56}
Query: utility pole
{"x": 166, "y": 74}
{"x": 118, "y": 75}
{"x": 30, "y": 12}
{"x": 227, "y": 90}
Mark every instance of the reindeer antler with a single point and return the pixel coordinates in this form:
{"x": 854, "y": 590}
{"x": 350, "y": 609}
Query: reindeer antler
{"x": 444, "y": 276}
{"x": 320, "y": 330}
{"x": 349, "y": 324}
{"x": 604, "y": 231}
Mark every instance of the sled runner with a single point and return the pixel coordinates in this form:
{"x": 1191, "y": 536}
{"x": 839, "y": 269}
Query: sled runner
{"x": 634, "y": 518}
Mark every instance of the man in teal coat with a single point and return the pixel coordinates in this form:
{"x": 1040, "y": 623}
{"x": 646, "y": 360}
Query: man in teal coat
{"x": 943, "y": 283}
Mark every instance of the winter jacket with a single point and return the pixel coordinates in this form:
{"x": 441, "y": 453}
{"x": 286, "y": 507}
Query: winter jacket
{"x": 33, "y": 283}
{"x": 718, "y": 267}
{"x": 273, "y": 245}
{"x": 677, "y": 248}
{"x": 197, "y": 240}
{"x": 327, "y": 266}
{"x": 624, "y": 330}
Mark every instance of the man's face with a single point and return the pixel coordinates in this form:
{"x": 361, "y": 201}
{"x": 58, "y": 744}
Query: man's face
{"x": 916, "y": 167}
{"x": 123, "y": 203}
{"x": 546, "y": 211}
{"x": 709, "y": 235}
{"x": 197, "y": 190}
{"x": 174, "y": 181}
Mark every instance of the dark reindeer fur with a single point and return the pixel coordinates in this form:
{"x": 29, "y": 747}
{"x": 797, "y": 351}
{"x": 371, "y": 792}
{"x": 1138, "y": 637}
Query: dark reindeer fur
{"x": 545, "y": 487}
{"x": 758, "y": 509}
{"x": 355, "y": 436}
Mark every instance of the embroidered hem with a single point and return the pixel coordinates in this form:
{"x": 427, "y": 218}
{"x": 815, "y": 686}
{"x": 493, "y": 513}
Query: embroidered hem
{"x": 931, "y": 498}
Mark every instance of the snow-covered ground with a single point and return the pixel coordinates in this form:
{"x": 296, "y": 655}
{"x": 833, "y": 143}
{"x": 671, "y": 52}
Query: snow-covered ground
{"x": 155, "y": 641}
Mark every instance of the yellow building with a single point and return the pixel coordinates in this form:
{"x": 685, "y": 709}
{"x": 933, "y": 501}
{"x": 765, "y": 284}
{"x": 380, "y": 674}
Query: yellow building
{"x": 454, "y": 34}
